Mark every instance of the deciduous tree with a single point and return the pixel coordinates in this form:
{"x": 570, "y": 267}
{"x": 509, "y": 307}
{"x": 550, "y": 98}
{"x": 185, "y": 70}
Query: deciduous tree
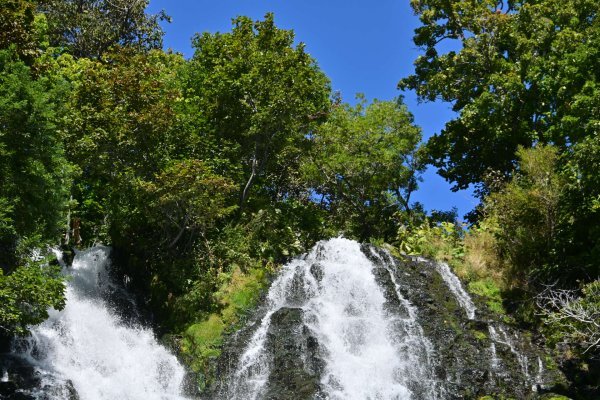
{"x": 365, "y": 165}
{"x": 260, "y": 96}
{"x": 524, "y": 72}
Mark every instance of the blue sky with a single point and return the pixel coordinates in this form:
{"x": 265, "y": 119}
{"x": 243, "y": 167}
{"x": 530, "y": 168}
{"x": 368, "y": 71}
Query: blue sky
{"x": 362, "y": 46}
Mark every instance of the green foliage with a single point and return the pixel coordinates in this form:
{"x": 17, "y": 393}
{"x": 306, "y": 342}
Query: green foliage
{"x": 16, "y": 27}
{"x": 260, "y": 97}
{"x": 525, "y": 72}
{"x": 364, "y": 166}
{"x": 89, "y": 28}
{"x": 489, "y": 290}
{"x": 528, "y": 216}
{"x": 471, "y": 254}
{"x": 34, "y": 174}
{"x": 237, "y": 295}
{"x": 581, "y": 207}
{"x": 438, "y": 241}
{"x": 186, "y": 197}
{"x": 120, "y": 127}
{"x": 27, "y": 293}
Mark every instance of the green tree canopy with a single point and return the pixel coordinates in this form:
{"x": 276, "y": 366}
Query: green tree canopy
{"x": 89, "y": 28}
{"x": 16, "y": 21}
{"x": 259, "y": 96}
{"x": 526, "y": 72}
{"x": 365, "y": 165}
{"x": 120, "y": 126}
{"x": 26, "y": 295}
{"x": 34, "y": 173}
{"x": 35, "y": 178}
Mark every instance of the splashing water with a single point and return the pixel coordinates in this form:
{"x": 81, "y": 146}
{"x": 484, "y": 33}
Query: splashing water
{"x": 494, "y": 360}
{"x": 368, "y": 352}
{"x": 87, "y": 348}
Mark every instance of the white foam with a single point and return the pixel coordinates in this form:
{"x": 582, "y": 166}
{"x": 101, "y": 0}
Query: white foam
{"x": 88, "y": 345}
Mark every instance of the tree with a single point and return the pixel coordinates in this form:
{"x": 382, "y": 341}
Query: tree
{"x": 89, "y": 28}
{"x": 187, "y": 197}
{"x": 16, "y": 26}
{"x": 120, "y": 126}
{"x": 581, "y": 205}
{"x": 26, "y": 295}
{"x": 529, "y": 213}
{"x": 34, "y": 184}
{"x": 526, "y": 73}
{"x": 34, "y": 173}
{"x": 259, "y": 97}
{"x": 365, "y": 165}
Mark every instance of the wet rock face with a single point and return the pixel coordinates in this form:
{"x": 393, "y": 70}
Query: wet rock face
{"x": 17, "y": 375}
{"x": 21, "y": 381}
{"x": 466, "y": 358}
{"x": 296, "y": 366}
{"x": 473, "y": 357}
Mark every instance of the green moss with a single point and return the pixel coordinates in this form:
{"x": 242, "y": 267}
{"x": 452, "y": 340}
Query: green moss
{"x": 480, "y": 335}
{"x": 201, "y": 342}
{"x": 550, "y": 363}
{"x": 489, "y": 290}
{"x": 239, "y": 294}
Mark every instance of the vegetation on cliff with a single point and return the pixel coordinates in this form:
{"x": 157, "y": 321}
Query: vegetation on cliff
{"x": 204, "y": 174}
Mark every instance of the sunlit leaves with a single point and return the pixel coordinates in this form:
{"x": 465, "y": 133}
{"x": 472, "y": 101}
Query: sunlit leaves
{"x": 364, "y": 164}
{"x": 260, "y": 96}
{"x": 518, "y": 75}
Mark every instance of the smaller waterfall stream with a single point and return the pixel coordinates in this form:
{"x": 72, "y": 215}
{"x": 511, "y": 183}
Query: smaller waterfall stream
{"x": 502, "y": 337}
{"x": 456, "y": 288}
{"x": 89, "y": 350}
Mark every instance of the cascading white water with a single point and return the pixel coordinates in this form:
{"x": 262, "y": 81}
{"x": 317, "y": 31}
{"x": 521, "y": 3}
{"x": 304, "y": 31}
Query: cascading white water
{"x": 456, "y": 288}
{"x": 501, "y": 336}
{"x": 368, "y": 353}
{"x": 494, "y": 360}
{"x": 87, "y": 346}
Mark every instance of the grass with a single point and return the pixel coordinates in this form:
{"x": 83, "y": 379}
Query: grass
{"x": 489, "y": 290}
{"x": 201, "y": 342}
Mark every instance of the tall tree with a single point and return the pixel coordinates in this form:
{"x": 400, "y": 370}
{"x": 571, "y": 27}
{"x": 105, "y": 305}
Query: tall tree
{"x": 526, "y": 72}
{"x": 34, "y": 174}
{"x": 260, "y": 96}
{"x": 121, "y": 127}
{"x": 16, "y": 21}
{"x": 34, "y": 186}
{"x": 365, "y": 165}
{"x": 89, "y": 28}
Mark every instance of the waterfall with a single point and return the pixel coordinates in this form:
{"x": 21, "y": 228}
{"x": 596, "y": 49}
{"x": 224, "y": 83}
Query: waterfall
{"x": 456, "y": 288}
{"x": 495, "y": 361}
{"x": 502, "y": 337}
{"x": 88, "y": 352}
{"x": 370, "y": 347}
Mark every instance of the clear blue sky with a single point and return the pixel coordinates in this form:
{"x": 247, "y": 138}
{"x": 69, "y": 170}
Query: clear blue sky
{"x": 363, "y": 46}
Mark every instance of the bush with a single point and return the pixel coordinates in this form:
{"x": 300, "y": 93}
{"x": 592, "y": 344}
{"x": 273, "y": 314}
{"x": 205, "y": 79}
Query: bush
{"x": 527, "y": 213}
{"x": 573, "y": 317}
{"x": 27, "y": 293}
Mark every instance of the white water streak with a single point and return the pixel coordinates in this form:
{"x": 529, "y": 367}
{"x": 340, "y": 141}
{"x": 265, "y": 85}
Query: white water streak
{"x": 456, "y": 288}
{"x": 88, "y": 345}
{"x": 502, "y": 337}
